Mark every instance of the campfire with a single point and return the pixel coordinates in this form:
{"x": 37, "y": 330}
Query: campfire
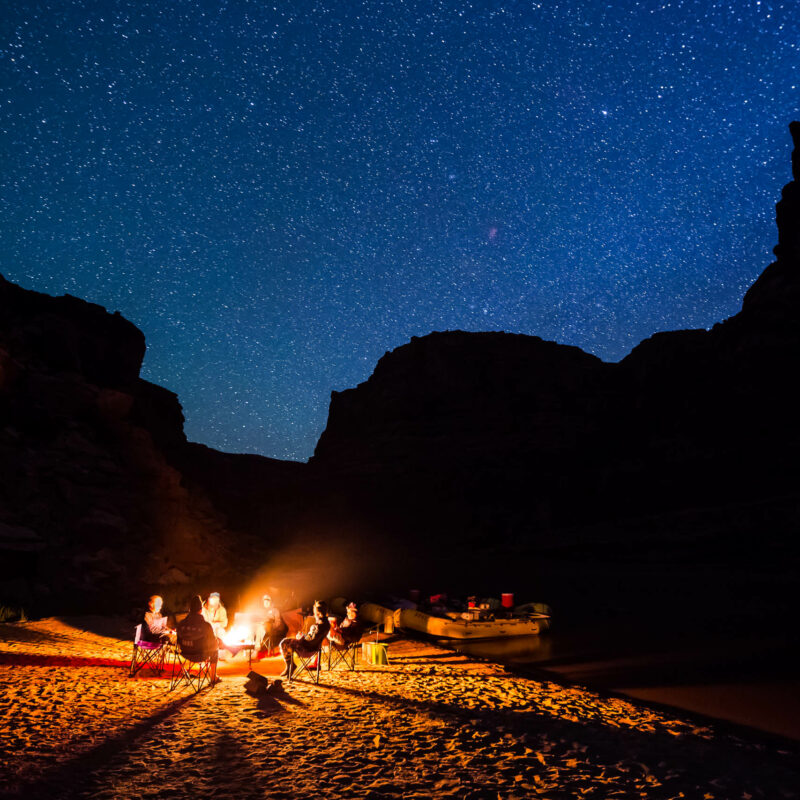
{"x": 243, "y": 631}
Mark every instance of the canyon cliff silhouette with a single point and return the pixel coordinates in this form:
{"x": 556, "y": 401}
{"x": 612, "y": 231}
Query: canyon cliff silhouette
{"x": 467, "y": 459}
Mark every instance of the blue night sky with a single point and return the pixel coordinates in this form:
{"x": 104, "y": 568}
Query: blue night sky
{"x": 277, "y": 193}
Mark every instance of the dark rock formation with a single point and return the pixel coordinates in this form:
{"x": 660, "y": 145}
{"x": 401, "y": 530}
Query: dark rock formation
{"x": 90, "y": 468}
{"x": 463, "y": 388}
{"x": 464, "y": 457}
{"x": 459, "y": 438}
{"x": 777, "y": 290}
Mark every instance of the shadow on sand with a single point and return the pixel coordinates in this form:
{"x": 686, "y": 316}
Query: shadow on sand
{"x": 75, "y": 777}
{"x": 698, "y": 757}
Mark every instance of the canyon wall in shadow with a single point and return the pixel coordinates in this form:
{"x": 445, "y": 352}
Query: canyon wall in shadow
{"x": 466, "y": 458}
{"x": 491, "y": 454}
{"x": 94, "y": 509}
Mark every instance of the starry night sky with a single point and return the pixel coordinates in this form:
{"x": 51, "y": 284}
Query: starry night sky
{"x": 277, "y": 193}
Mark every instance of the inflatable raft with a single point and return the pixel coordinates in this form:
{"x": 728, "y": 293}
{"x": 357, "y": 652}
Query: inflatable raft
{"x": 455, "y": 627}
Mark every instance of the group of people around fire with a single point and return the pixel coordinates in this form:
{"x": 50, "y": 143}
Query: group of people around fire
{"x": 203, "y": 628}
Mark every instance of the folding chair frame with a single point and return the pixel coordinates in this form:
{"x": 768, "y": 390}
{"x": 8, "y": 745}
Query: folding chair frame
{"x": 146, "y": 655}
{"x": 271, "y": 647}
{"x": 346, "y": 654}
{"x": 182, "y": 671}
{"x": 306, "y": 665}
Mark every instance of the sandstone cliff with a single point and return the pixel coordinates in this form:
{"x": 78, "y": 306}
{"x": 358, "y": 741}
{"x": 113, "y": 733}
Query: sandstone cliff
{"x": 463, "y": 455}
{"x": 94, "y": 508}
{"x": 459, "y": 438}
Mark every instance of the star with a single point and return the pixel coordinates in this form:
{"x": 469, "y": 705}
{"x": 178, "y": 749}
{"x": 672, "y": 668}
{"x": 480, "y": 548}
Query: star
{"x": 276, "y": 199}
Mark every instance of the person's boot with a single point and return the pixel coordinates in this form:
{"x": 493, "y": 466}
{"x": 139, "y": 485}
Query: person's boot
{"x": 288, "y": 669}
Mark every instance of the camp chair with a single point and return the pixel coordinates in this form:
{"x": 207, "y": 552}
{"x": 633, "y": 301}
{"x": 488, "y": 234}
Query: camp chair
{"x": 311, "y": 664}
{"x": 146, "y": 655}
{"x": 186, "y": 659}
{"x": 346, "y": 654}
{"x": 293, "y": 620}
{"x": 270, "y": 645}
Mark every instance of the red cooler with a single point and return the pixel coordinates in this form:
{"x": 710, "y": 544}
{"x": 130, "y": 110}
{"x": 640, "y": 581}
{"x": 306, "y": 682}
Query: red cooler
{"x": 507, "y": 600}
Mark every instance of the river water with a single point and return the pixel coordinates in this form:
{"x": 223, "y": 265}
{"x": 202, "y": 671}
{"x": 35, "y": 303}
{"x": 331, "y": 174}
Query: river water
{"x": 748, "y": 679}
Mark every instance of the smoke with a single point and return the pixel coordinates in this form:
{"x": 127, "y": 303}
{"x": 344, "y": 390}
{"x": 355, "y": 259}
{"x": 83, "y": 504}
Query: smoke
{"x": 315, "y": 568}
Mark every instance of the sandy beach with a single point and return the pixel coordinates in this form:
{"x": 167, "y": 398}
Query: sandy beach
{"x": 430, "y": 724}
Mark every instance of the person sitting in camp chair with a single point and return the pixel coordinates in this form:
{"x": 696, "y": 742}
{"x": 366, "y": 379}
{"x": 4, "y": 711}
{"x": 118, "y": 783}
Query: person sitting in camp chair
{"x": 349, "y": 630}
{"x": 196, "y": 645}
{"x": 306, "y": 646}
{"x": 271, "y": 628}
{"x": 352, "y": 627}
{"x": 344, "y": 638}
{"x": 154, "y": 625}
{"x": 150, "y": 638}
{"x": 195, "y": 635}
{"x": 216, "y": 615}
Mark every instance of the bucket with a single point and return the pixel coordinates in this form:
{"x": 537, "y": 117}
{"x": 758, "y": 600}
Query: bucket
{"x": 374, "y": 653}
{"x": 507, "y": 600}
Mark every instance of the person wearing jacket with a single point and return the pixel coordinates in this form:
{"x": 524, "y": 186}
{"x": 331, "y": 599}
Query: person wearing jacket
{"x": 271, "y": 628}
{"x": 154, "y": 623}
{"x": 309, "y": 644}
{"x": 215, "y": 614}
{"x": 195, "y": 635}
{"x": 349, "y": 630}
